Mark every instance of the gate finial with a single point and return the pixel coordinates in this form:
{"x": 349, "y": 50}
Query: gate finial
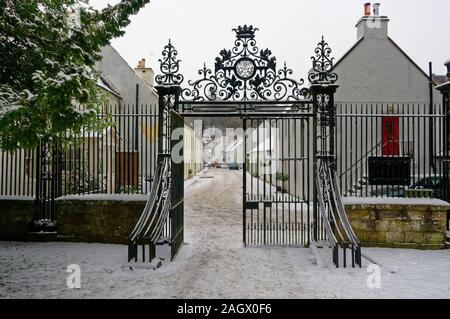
{"x": 169, "y": 66}
{"x": 323, "y": 65}
{"x": 245, "y": 32}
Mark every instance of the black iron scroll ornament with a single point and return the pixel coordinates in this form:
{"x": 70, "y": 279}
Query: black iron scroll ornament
{"x": 244, "y": 73}
{"x": 322, "y": 65}
{"x": 170, "y": 67}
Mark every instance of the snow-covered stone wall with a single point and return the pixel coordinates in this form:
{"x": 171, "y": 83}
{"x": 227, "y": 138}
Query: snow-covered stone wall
{"x": 392, "y": 222}
{"x": 105, "y": 219}
{"x": 98, "y": 219}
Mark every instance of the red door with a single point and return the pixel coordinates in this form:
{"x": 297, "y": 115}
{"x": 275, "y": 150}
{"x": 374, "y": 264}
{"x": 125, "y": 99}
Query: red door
{"x": 390, "y": 138}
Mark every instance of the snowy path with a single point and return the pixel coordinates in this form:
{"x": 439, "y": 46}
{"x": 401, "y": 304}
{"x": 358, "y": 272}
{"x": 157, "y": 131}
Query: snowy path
{"x": 213, "y": 263}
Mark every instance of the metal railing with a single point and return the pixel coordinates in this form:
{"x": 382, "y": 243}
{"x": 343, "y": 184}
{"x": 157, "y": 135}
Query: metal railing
{"x": 368, "y": 133}
{"x": 120, "y": 159}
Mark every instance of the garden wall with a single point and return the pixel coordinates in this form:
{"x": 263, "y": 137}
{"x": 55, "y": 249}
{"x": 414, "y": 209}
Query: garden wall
{"x": 93, "y": 218}
{"x": 398, "y": 222}
{"x": 98, "y": 218}
{"x": 16, "y": 216}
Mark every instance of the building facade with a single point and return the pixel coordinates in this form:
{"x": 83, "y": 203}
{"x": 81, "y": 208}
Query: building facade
{"x": 388, "y": 111}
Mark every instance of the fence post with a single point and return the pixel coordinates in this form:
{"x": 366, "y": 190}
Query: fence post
{"x": 324, "y": 132}
{"x": 169, "y": 91}
{"x": 322, "y": 89}
{"x": 445, "y": 90}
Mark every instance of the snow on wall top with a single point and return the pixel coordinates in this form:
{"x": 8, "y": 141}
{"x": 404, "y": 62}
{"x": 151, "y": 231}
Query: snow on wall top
{"x": 393, "y": 201}
{"x": 107, "y": 197}
{"x": 7, "y": 197}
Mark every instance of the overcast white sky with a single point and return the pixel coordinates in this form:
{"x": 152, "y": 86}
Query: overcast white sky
{"x": 199, "y": 29}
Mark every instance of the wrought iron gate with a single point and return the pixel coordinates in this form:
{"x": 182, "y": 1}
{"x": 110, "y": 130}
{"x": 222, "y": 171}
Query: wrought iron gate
{"x": 290, "y": 196}
{"x": 48, "y": 187}
{"x": 278, "y": 181}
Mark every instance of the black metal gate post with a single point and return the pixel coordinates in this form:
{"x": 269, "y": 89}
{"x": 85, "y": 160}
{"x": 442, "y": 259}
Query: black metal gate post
{"x": 169, "y": 91}
{"x": 244, "y": 183}
{"x": 176, "y": 221}
{"x": 162, "y": 222}
{"x": 445, "y": 90}
{"x": 322, "y": 88}
{"x": 48, "y": 186}
{"x": 330, "y": 218}
{"x": 324, "y": 129}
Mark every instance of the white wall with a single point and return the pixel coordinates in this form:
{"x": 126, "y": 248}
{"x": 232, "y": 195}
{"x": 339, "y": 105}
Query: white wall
{"x": 377, "y": 71}
{"x": 124, "y": 78}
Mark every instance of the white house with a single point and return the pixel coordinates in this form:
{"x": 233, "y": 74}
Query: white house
{"x": 385, "y": 106}
{"x": 377, "y": 70}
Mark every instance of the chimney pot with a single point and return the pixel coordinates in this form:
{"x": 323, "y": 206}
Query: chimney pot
{"x": 376, "y": 9}
{"x": 141, "y": 64}
{"x": 367, "y": 9}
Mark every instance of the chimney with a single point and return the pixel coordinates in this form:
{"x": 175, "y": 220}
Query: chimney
{"x": 372, "y": 25}
{"x": 367, "y": 9}
{"x": 447, "y": 64}
{"x": 376, "y": 9}
{"x": 141, "y": 64}
{"x": 146, "y": 74}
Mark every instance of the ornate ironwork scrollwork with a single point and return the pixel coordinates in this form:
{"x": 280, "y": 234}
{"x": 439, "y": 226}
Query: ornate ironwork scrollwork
{"x": 325, "y": 110}
{"x": 322, "y": 65}
{"x": 169, "y": 66}
{"x": 246, "y": 73}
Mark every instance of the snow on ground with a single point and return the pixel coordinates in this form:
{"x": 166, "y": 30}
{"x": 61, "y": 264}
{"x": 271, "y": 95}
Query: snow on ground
{"x": 213, "y": 263}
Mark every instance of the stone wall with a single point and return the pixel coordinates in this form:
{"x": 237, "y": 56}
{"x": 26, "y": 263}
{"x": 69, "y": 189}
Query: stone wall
{"x": 105, "y": 219}
{"x": 398, "y": 223}
{"x": 16, "y": 216}
{"x": 98, "y": 218}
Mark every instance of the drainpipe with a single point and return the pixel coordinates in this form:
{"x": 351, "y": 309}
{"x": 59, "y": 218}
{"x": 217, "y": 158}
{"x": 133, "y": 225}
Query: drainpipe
{"x": 431, "y": 124}
{"x": 136, "y": 128}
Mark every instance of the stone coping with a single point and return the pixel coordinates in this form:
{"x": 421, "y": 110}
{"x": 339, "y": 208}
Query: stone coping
{"x": 105, "y": 198}
{"x": 382, "y": 201}
{"x": 17, "y": 198}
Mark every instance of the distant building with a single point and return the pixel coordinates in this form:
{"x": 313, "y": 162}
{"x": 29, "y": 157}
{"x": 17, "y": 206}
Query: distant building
{"x": 382, "y": 102}
{"x": 376, "y": 69}
{"x": 126, "y": 80}
{"x": 136, "y": 88}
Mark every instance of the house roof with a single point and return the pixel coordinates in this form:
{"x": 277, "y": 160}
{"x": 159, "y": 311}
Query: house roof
{"x": 94, "y": 134}
{"x": 439, "y": 79}
{"x": 395, "y": 45}
{"x": 107, "y": 86}
{"x": 138, "y": 78}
